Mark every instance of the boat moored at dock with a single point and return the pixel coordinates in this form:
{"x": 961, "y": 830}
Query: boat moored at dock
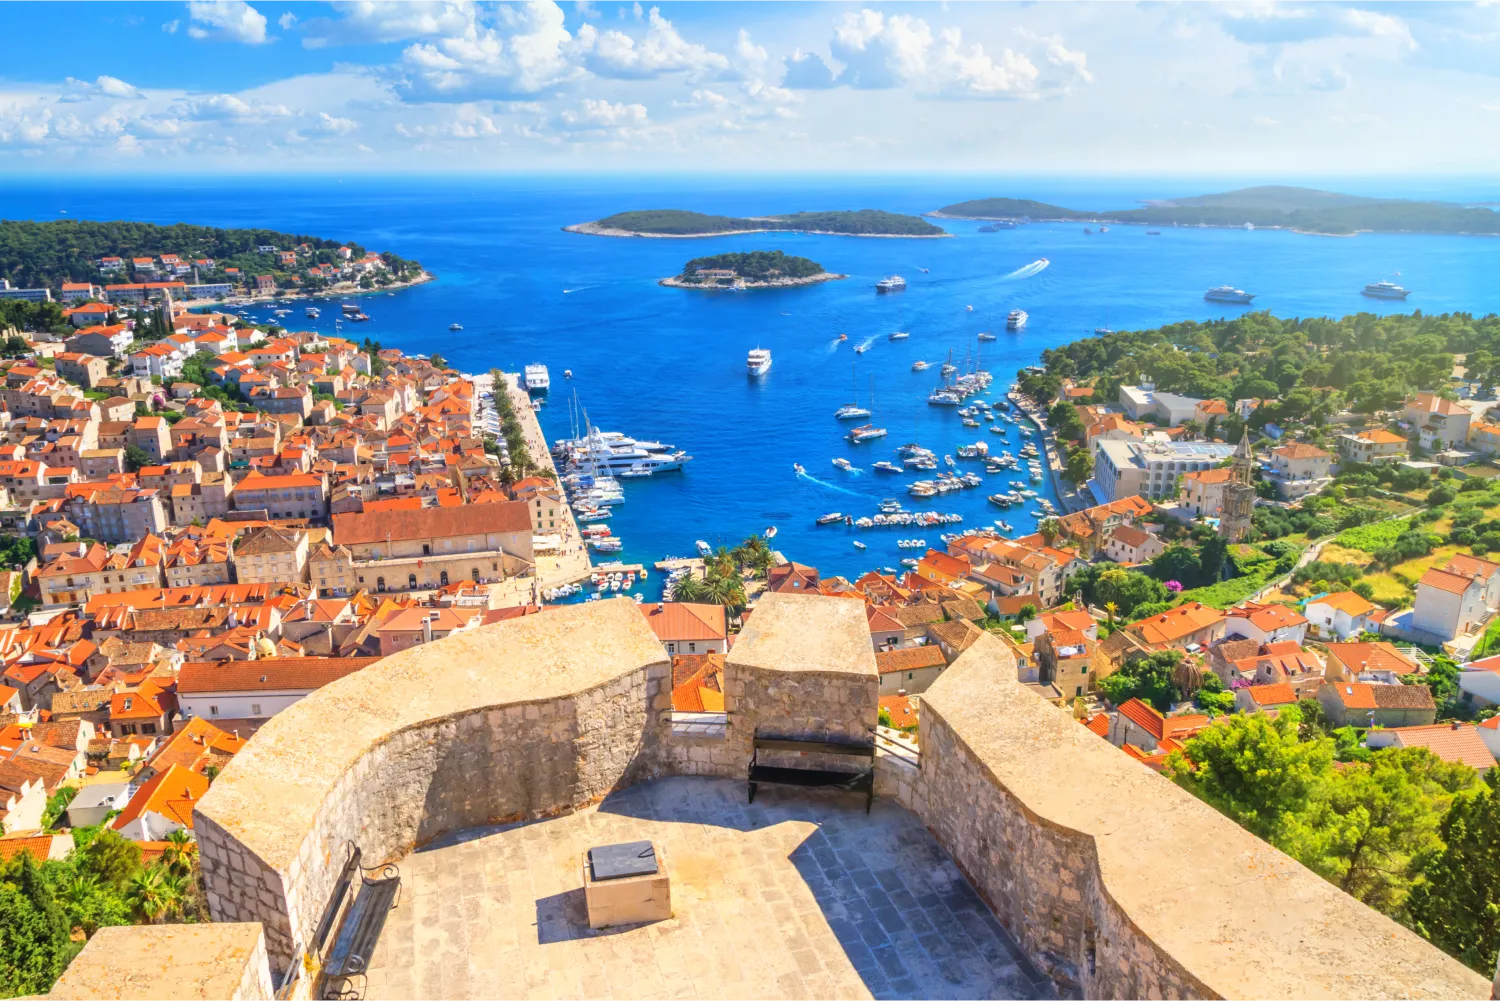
{"x": 535, "y": 379}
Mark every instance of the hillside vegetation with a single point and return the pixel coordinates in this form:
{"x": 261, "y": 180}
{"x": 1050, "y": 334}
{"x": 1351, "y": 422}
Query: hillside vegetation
{"x": 1304, "y": 209}
{"x": 38, "y": 254}
{"x": 757, "y": 265}
{"x": 679, "y": 222}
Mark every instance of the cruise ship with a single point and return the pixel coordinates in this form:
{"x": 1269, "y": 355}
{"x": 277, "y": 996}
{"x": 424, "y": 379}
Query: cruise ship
{"x": 893, "y": 283}
{"x": 1015, "y": 319}
{"x": 1228, "y": 293}
{"x": 536, "y": 379}
{"x": 1386, "y": 290}
{"x": 758, "y": 362}
{"x": 610, "y": 453}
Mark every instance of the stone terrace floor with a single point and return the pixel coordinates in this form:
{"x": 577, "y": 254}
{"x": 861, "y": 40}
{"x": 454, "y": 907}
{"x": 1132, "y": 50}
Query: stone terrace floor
{"x": 800, "y": 895}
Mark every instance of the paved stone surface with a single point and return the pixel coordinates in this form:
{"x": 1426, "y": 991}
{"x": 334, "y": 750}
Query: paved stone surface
{"x": 799, "y": 896}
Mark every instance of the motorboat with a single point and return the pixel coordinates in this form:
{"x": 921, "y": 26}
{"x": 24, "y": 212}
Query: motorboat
{"x": 1385, "y": 290}
{"x": 859, "y": 545}
{"x": 919, "y": 366}
{"x": 886, "y": 467}
{"x": 455, "y": 326}
{"x": 758, "y": 362}
{"x": 866, "y": 432}
{"x": 831, "y": 518}
{"x": 843, "y": 464}
{"x": 891, "y": 283}
{"x": 798, "y": 468}
{"x": 1228, "y": 293}
{"x": 985, "y": 335}
{"x": 1016, "y": 319}
{"x": 703, "y": 547}
{"x": 899, "y": 335}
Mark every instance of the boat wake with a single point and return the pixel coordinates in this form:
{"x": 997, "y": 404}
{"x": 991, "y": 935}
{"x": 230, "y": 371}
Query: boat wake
{"x": 830, "y": 486}
{"x": 581, "y": 288}
{"x": 865, "y": 345}
{"x": 833, "y": 345}
{"x": 1034, "y": 268}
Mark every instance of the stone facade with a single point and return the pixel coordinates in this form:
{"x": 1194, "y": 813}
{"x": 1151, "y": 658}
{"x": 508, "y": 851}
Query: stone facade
{"x": 181, "y": 962}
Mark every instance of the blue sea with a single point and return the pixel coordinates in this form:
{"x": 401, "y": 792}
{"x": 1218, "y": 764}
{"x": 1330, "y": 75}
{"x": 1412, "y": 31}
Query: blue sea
{"x": 669, "y": 364}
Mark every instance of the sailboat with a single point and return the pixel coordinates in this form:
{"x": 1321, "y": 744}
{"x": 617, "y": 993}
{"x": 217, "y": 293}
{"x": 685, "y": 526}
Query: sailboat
{"x": 867, "y": 432}
{"x": 852, "y": 410}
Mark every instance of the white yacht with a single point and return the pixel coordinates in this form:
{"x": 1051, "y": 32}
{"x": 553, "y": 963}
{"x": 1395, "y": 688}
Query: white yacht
{"x": 985, "y": 335}
{"x": 536, "y": 379}
{"x": 899, "y": 335}
{"x": 866, "y": 432}
{"x": 610, "y": 452}
{"x": 850, "y": 411}
{"x": 1385, "y": 290}
{"x": 758, "y": 362}
{"x": 455, "y": 326}
{"x": 1228, "y": 293}
{"x": 1016, "y": 319}
{"x": 892, "y": 283}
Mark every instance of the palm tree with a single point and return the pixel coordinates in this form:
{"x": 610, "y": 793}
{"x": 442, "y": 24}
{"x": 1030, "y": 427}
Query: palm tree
{"x": 690, "y": 588}
{"x": 722, "y": 563}
{"x": 1050, "y": 529}
{"x": 150, "y": 894}
{"x": 755, "y": 553}
{"x": 726, "y": 589}
{"x": 1111, "y": 608}
{"x": 178, "y": 855}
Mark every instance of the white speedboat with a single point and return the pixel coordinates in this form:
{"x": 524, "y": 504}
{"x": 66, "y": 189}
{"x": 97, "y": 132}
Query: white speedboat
{"x": 455, "y": 326}
{"x": 703, "y": 547}
{"x": 919, "y": 366}
{"x": 1016, "y": 319}
{"x": 1228, "y": 293}
{"x": 843, "y": 464}
{"x": 866, "y": 432}
{"x": 830, "y": 518}
{"x": 758, "y": 362}
{"x": 899, "y": 335}
{"x": 985, "y": 335}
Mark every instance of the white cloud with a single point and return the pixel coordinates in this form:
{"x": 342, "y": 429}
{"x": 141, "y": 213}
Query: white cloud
{"x": 484, "y": 62}
{"x": 1074, "y": 64}
{"x": 228, "y": 108}
{"x": 747, "y": 51}
{"x": 115, "y": 87}
{"x": 661, "y": 51}
{"x": 880, "y": 52}
{"x": 1279, "y": 23}
{"x": 230, "y": 20}
{"x": 466, "y": 121}
{"x": 171, "y": 26}
{"x": 334, "y": 125}
{"x": 1266, "y": 122}
{"x": 287, "y": 21}
{"x": 366, "y": 21}
{"x": 593, "y": 113}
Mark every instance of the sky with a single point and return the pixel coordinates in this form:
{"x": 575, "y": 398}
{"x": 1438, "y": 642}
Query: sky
{"x": 1259, "y": 88}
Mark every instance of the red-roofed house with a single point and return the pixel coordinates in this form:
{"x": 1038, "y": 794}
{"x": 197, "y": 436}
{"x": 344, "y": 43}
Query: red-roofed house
{"x": 1129, "y": 544}
{"x": 1185, "y": 627}
{"x": 1375, "y": 445}
{"x": 162, "y": 805}
{"x": 1454, "y": 742}
{"x": 909, "y": 671}
{"x": 686, "y": 627}
{"x": 1266, "y": 623}
{"x": 1138, "y": 724}
{"x": 1259, "y": 698}
{"x": 1479, "y": 681}
{"x": 1449, "y": 604}
{"x": 1340, "y": 615}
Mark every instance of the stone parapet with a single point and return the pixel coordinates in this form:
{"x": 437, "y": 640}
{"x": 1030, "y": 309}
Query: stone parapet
{"x": 519, "y": 720}
{"x": 1118, "y": 883}
{"x": 170, "y": 962}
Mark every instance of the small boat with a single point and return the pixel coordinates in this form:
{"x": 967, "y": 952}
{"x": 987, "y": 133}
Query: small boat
{"x": 843, "y": 337}
{"x": 771, "y": 532}
{"x": 1104, "y": 229}
{"x": 758, "y": 362}
{"x": 968, "y": 309}
{"x": 866, "y": 432}
{"x": 899, "y": 335}
{"x": 830, "y": 518}
{"x": 455, "y": 326}
{"x": 860, "y": 349}
{"x": 886, "y": 467}
{"x": 859, "y": 545}
{"x": 1016, "y": 319}
{"x": 1153, "y": 232}
{"x": 798, "y": 468}
{"x": 703, "y": 547}
{"x": 843, "y": 464}
{"x": 892, "y": 283}
{"x": 923, "y": 270}
{"x": 985, "y": 335}
{"x": 567, "y": 373}
{"x": 919, "y": 366}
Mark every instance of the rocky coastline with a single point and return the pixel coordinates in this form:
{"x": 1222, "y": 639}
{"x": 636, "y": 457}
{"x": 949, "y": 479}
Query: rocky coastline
{"x": 677, "y": 281}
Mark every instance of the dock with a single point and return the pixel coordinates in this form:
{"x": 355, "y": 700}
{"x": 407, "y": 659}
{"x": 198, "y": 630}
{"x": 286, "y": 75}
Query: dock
{"x": 693, "y": 563}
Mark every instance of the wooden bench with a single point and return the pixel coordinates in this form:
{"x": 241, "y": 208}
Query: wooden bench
{"x": 358, "y": 926}
{"x": 855, "y": 781}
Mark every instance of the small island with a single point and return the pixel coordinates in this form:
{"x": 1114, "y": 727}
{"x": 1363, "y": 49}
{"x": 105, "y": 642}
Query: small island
{"x": 756, "y": 269}
{"x": 680, "y": 223}
{"x": 1301, "y": 210}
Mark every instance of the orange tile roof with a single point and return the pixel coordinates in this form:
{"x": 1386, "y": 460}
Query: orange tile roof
{"x": 1347, "y": 602}
{"x": 1471, "y": 566}
{"x": 1453, "y": 742}
{"x": 677, "y": 621}
{"x": 1300, "y": 450}
{"x": 1380, "y": 436}
{"x": 1267, "y": 618}
{"x": 1378, "y": 656}
{"x": 1444, "y": 581}
{"x": 900, "y": 708}
{"x": 1098, "y": 723}
{"x": 913, "y": 658}
{"x": 267, "y": 674}
{"x": 1176, "y": 623}
{"x": 172, "y": 794}
{"x": 1272, "y": 695}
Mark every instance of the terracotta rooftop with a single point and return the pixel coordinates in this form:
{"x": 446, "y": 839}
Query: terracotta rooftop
{"x": 359, "y": 528}
{"x": 1272, "y": 695}
{"x": 266, "y": 674}
{"x": 1453, "y": 583}
{"x": 679, "y": 621}
{"x": 1377, "y": 656}
{"x": 913, "y": 658}
{"x": 1176, "y": 623}
{"x": 1347, "y": 602}
{"x": 1453, "y": 742}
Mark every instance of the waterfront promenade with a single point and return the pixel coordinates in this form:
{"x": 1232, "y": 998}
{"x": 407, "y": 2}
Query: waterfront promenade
{"x": 571, "y": 561}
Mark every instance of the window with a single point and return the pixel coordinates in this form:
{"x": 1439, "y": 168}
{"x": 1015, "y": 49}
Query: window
{"x": 411, "y": 580}
{"x": 692, "y": 648}
{"x": 380, "y": 583}
{"x": 255, "y": 709}
{"x": 148, "y": 728}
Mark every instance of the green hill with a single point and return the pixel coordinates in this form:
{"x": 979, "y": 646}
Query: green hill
{"x": 679, "y": 222}
{"x": 1305, "y": 209}
{"x": 757, "y": 265}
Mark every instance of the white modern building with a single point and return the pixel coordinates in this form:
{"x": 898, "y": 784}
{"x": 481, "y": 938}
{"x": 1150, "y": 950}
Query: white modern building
{"x": 1150, "y": 469}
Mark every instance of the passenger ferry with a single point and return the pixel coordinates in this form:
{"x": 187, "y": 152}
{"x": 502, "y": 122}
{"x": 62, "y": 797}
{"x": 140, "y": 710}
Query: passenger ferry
{"x": 536, "y": 379}
{"x": 758, "y": 362}
{"x": 1228, "y": 293}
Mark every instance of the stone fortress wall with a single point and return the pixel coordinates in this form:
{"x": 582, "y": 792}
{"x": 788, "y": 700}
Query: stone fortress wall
{"x": 1115, "y": 882}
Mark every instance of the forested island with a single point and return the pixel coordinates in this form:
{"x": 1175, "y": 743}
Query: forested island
{"x": 682, "y": 223}
{"x": 47, "y": 254}
{"x": 755, "y": 269}
{"x": 1304, "y": 210}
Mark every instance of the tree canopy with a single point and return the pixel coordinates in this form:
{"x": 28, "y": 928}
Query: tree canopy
{"x": 756, "y": 265}
{"x": 680, "y": 222}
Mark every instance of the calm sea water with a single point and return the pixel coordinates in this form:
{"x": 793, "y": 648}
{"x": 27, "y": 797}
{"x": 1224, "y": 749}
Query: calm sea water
{"x": 669, "y": 364}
